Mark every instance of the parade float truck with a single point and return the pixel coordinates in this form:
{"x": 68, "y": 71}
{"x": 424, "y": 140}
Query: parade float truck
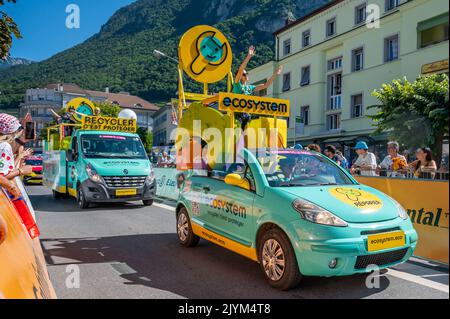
{"x": 295, "y": 212}
{"x": 100, "y": 160}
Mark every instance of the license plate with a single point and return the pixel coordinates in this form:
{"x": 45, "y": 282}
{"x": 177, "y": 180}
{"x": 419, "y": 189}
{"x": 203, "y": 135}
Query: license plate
{"x": 386, "y": 241}
{"x": 126, "y": 192}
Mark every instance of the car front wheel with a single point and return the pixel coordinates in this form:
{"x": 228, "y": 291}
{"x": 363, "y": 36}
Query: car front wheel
{"x": 277, "y": 260}
{"x": 184, "y": 230}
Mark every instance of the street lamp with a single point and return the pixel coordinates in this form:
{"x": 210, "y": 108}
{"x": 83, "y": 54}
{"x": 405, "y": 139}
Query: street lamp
{"x": 158, "y": 53}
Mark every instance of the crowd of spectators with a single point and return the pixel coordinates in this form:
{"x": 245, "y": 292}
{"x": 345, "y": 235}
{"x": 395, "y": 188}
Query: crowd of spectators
{"x": 394, "y": 164}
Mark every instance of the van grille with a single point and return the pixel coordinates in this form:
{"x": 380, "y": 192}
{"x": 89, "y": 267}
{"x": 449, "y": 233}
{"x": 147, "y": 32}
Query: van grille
{"x": 380, "y": 259}
{"x": 124, "y": 181}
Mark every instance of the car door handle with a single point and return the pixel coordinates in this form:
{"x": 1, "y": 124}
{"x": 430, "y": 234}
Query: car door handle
{"x": 206, "y": 189}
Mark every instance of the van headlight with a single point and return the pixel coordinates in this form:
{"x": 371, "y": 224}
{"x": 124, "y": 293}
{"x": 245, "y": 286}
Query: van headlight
{"x": 151, "y": 177}
{"x": 92, "y": 174}
{"x": 316, "y": 214}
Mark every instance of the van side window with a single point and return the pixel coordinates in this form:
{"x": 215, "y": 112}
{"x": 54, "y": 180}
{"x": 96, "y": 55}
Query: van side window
{"x": 75, "y": 148}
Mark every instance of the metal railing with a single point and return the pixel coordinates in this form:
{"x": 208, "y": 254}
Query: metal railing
{"x": 403, "y": 173}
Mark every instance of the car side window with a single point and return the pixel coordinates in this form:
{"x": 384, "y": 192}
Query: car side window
{"x": 243, "y": 169}
{"x": 237, "y": 168}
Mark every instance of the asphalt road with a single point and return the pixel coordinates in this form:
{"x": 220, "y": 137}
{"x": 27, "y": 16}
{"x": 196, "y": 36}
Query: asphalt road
{"x": 131, "y": 251}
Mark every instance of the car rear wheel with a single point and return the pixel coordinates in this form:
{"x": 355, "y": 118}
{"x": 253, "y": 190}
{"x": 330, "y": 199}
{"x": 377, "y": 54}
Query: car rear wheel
{"x": 184, "y": 230}
{"x": 277, "y": 260}
{"x": 81, "y": 199}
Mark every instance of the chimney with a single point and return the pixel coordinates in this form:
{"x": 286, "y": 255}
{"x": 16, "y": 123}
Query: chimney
{"x": 106, "y": 89}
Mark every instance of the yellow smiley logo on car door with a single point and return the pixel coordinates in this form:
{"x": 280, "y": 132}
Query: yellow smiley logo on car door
{"x": 357, "y": 198}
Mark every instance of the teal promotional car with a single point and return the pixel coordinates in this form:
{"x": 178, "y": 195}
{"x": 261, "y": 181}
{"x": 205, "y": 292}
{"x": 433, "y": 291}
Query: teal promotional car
{"x": 295, "y": 212}
{"x": 100, "y": 167}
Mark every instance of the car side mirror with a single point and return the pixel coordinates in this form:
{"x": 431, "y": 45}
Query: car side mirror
{"x": 237, "y": 180}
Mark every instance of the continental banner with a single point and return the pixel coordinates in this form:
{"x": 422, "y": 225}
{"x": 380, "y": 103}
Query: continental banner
{"x": 96, "y": 123}
{"x": 427, "y": 204}
{"x": 253, "y": 104}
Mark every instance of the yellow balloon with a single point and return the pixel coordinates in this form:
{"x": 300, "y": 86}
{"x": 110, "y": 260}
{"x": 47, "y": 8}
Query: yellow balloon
{"x": 205, "y": 54}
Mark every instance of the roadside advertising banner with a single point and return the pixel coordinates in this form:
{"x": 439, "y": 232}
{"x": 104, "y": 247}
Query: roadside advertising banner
{"x": 427, "y": 204}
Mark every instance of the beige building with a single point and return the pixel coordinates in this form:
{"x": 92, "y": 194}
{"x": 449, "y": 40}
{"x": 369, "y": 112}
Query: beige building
{"x": 333, "y": 60}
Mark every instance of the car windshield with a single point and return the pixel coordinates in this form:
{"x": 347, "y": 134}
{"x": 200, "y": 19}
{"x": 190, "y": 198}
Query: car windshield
{"x": 112, "y": 146}
{"x": 294, "y": 168}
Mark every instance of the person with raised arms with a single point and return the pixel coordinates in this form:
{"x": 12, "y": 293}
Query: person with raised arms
{"x": 242, "y": 84}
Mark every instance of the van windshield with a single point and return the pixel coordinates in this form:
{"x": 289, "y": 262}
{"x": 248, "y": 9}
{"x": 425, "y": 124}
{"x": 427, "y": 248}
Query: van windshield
{"x": 112, "y": 146}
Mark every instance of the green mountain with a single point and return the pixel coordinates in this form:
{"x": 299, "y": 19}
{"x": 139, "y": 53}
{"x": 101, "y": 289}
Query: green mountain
{"x": 121, "y": 56}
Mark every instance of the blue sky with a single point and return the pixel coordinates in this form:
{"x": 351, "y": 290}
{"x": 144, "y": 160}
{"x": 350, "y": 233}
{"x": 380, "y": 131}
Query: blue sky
{"x": 43, "y": 24}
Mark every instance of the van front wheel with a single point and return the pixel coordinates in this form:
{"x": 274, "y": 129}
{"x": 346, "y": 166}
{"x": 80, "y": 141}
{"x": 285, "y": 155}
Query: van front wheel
{"x": 148, "y": 202}
{"x": 81, "y": 199}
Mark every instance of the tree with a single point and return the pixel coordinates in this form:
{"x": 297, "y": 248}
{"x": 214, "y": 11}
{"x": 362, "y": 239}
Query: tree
{"x": 108, "y": 109}
{"x": 146, "y": 138}
{"x": 415, "y": 114}
{"x": 8, "y": 30}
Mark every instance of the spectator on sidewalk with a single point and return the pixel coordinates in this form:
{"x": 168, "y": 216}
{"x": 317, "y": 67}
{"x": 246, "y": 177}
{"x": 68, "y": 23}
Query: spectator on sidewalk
{"x": 331, "y": 152}
{"x": 394, "y": 163}
{"x": 314, "y": 148}
{"x": 165, "y": 160}
{"x": 344, "y": 161}
{"x": 424, "y": 166}
{"x": 366, "y": 163}
{"x": 10, "y": 131}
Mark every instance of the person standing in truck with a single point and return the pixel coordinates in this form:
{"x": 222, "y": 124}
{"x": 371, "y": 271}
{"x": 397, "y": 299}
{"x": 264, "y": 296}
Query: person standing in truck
{"x": 242, "y": 84}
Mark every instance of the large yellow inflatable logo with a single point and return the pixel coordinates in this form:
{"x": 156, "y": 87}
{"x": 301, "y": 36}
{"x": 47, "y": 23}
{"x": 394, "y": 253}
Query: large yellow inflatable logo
{"x": 82, "y": 106}
{"x": 205, "y": 54}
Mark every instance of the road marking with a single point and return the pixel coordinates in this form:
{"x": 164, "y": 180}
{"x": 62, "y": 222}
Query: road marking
{"x": 418, "y": 280}
{"x": 163, "y": 206}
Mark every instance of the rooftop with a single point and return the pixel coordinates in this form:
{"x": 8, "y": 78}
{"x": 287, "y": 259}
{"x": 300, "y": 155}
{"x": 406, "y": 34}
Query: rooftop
{"x": 125, "y": 100}
{"x": 313, "y": 13}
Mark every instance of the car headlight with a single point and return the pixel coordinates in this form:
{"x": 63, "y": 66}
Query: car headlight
{"x": 92, "y": 174}
{"x": 316, "y": 214}
{"x": 402, "y": 213}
